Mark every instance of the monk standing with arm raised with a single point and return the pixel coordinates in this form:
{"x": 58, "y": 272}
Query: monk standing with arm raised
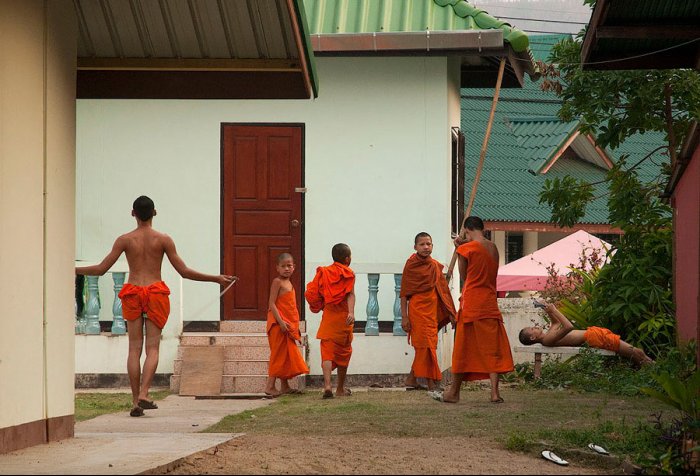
{"x": 145, "y": 298}
{"x": 426, "y": 306}
{"x": 333, "y": 291}
{"x": 481, "y": 348}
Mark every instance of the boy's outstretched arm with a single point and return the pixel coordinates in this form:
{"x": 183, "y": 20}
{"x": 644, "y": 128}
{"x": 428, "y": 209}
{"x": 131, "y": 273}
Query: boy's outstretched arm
{"x": 109, "y": 260}
{"x": 560, "y": 326}
{"x": 189, "y": 273}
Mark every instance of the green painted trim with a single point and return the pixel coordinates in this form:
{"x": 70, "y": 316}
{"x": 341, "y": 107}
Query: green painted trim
{"x": 308, "y": 48}
{"x": 518, "y": 39}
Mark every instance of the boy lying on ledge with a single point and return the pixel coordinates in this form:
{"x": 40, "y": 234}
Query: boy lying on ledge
{"x": 561, "y": 333}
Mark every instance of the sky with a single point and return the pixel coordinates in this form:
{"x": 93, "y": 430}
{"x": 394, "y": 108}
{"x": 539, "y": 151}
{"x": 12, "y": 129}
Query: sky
{"x": 539, "y": 16}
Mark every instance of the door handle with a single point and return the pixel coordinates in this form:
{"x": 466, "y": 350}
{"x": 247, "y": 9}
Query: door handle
{"x": 295, "y": 223}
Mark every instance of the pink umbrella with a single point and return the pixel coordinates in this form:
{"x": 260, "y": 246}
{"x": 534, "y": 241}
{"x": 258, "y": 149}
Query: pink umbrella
{"x": 529, "y": 273}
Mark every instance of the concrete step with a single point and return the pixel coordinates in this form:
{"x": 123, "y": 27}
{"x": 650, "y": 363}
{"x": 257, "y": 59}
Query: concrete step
{"x": 242, "y": 383}
{"x": 234, "y": 367}
{"x": 243, "y": 352}
{"x": 226, "y": 339}
{"x": 250, "y": 326}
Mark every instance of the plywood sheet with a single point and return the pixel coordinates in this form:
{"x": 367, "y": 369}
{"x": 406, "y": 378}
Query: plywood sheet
{"x": 202, "y": 369}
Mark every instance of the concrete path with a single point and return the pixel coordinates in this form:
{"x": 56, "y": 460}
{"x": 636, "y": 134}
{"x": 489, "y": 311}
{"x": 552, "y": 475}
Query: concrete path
{"x": 120, "y": 444}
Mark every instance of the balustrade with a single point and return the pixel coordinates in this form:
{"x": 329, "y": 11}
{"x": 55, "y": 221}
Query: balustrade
{"x": 88, "y": 305}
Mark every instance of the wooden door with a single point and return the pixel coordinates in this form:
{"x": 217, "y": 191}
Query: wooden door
{"x": 262, "y": 208}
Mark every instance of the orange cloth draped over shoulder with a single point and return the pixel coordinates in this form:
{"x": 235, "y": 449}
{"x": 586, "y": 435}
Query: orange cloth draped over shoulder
{"x": 151, "y": 301}
{"x": 328, "y": 292}
{"x": 602, "y": 338}
{"x": 481, "y": 342}
{"x": 430, "y": 307}
{"x": 286, "y": 360}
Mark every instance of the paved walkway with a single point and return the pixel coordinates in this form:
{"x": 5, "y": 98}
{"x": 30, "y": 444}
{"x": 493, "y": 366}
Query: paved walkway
{"x": 120, "y": 444}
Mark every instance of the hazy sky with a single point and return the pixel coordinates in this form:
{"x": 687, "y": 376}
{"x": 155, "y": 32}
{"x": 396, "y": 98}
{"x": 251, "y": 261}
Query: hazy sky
{"x": 539, "y": 16}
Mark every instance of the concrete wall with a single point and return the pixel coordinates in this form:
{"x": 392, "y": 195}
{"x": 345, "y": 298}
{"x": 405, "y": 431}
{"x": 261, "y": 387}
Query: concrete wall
{"x": 37, "y": 164}
{"x": 377, "y": 170}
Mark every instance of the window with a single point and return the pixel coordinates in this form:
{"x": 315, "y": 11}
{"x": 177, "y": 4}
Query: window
{"x": 457, "y": 212}
{"x": 514, "y": 246}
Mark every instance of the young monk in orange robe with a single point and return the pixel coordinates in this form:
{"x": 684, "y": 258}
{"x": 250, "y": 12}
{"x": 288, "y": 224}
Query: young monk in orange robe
{"x": 145, "y": 301}
{"x": 283, "y": 331}
{"x": 333, "y": 291}
{"x": 426, "y": 306}
{"x": 562, "y": 333}
{"x": 481, "y": 348}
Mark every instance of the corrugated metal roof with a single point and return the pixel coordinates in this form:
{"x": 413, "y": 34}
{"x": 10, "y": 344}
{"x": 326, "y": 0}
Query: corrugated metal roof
{"x": 507, "y": 190}
{"x": 540, "y": 138}
{"x": 373, "y": 16}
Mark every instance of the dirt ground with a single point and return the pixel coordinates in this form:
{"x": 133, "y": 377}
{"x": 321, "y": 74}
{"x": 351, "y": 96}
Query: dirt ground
{"x": 353, "y": 454}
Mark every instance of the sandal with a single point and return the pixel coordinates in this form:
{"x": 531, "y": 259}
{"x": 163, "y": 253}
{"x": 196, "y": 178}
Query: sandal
{"x": 327, "y": 394}
{"x": 498, "y": 400}
{"x": 148, "y": 404}
{"x": 136, "y": 412}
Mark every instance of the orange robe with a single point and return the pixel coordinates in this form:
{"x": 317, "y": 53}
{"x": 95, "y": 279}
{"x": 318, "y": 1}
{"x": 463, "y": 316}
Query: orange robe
{"x": 481, "y": 343}
{"x": 328, "y": 292}
{"x": 150, "y": 301}
{"x": 285, "y": 358}
{"x": 430, "y": 307}
{"x": 602, "y": 338}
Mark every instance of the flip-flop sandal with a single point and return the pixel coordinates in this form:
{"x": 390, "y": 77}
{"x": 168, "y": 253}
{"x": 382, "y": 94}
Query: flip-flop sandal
{"x": 598, "y": 449}
{"x": 136, "y": 412}
{"x": 549, "y": 456}
{"x": 148, "y": 405}
{"x": 327, "y": 394}
{"x": 499, "y": 400}
{"x": 437, "y": 396}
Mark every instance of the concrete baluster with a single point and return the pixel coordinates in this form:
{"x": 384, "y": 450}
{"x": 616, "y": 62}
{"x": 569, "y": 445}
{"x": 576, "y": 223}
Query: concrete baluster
{"x": 397, "y": 306}
{"x": 92, "y": 306}
{"x": 372, "y": 327}
{"x": 118, "y": 325}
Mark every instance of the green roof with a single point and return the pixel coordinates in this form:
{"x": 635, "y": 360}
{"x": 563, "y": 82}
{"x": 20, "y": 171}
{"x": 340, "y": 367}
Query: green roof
{"x": 369, "y": 16}
{"x": 526, "y": 132}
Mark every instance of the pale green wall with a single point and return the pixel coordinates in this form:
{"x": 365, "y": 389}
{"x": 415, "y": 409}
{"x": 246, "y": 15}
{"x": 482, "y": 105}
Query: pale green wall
{"x": 377, "y": 169}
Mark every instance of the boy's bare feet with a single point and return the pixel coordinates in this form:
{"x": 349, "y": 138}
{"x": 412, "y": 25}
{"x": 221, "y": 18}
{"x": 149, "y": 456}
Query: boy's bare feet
{"x": 343, "y": 392}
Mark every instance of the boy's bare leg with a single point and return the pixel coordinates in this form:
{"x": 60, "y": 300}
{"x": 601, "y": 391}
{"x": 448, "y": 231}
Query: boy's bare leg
{"x": 340, "y": 389}
{"x": 411, "y": 380}
{"x": 133, "y": 361}
{"x": 495, "y": 395}
{"x": 451, "y": 395}
{"x": 284, "y": 386}
{"x": 636, "y": 354}
{"x": 327, "y": 366}
{"x": 270, "y": 388}
{"x": 152, "y": 356}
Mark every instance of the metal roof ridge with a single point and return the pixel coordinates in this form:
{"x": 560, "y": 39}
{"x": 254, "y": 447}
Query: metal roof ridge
{"x": 518, "y": 39}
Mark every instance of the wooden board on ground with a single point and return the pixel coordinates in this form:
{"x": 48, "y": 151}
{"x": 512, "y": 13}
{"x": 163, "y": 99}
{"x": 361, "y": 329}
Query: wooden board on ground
{"x": 202, "y": 369}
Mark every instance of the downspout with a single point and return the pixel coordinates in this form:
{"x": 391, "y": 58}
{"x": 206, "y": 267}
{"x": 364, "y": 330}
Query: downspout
{"x": 44, "y": 232}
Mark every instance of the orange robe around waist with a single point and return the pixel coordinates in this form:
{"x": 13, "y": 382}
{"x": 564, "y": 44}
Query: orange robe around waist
{"x": 328, "y": 292}
{"x": 286, "y": 360}
{"x": 481, "y": 347}
{"x": 602, "y": 338}
{"x": 150, "y": 301}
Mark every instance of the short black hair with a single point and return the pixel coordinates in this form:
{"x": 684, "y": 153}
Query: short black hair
{"x": 283, "y": 256}
{"x": 474, "y": 223}
{"x": 524, "y": 338}
{"x": 340, "y": 251}
{"x": 422, "y": 234}
{"x": 144, "y": 208}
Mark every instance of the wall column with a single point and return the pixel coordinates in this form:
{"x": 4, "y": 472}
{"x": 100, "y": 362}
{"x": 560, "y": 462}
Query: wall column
{"x": 37, "y": 220}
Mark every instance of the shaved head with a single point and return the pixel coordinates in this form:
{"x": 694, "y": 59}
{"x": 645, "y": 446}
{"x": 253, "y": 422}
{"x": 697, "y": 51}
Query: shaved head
{"x": 340, "y": 252}
{"x": 284, "y": 256}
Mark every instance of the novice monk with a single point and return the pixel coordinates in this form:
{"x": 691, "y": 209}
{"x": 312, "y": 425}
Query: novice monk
{"x": 481, "y": 348}
{"x": 283, "y": 330}
{"x": 333, "y": 291}
{"x": 562, "y": 333}
{"x": 426, "y": 306}
{"x": 145, "y": 296}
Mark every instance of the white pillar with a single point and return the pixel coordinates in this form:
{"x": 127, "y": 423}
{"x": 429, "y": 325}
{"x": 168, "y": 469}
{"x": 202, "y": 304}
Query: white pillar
{"x": 529, "y": 242}
{"x": 37, "y": 218}
{"x": 499, "y": 239}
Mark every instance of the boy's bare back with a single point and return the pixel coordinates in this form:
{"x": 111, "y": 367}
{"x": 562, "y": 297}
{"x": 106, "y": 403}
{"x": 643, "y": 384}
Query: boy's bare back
{"x": 573, "y": 339}
{"x": 144, "y": 248}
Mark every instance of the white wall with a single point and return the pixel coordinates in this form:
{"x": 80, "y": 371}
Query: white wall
{"x": 377, "y": 170}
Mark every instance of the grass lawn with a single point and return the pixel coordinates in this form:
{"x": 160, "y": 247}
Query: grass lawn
{"x": 90, "y": 405}
{"x": 529, "y": 420}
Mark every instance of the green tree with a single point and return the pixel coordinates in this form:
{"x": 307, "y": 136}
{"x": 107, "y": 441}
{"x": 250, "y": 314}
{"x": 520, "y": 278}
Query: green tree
{"x": 632, "y": 293}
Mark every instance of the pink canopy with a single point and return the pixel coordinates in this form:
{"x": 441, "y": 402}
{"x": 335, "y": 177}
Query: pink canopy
{"x": 529, "y": 273}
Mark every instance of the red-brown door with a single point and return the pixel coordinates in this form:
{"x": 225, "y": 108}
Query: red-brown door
{"x": 262, "y": 212}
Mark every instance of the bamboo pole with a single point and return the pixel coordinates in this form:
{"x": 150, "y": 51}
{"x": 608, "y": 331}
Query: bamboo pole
{"x": 482, "y": 157}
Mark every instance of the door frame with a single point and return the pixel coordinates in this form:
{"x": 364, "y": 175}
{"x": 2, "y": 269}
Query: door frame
{"x": 299, "y": 261}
